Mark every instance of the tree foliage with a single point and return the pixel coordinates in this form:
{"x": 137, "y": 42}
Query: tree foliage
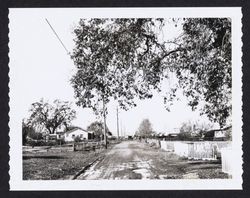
{"x": 97, "y": 127}
{"x": 125, "y": 58}
{"x": 204, "y": 68}
{"x": 112, "y": 58}
{"x": 30, "y": 132}
{"x": 145, "y": 129}
{"x": 51, "y": 116}
{"x": 189, "y": 130}
{"x": 26, "y": 130}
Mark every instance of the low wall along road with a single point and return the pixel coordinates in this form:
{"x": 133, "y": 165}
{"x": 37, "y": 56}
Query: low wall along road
{"x": 204, "y": 150}
{"x": 207, "y": 150}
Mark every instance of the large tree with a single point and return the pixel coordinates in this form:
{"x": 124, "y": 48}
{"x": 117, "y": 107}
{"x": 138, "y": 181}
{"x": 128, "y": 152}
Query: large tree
{"x": 97, "y": 128}
{"x": 125, "y": 58}
{"x": 145, "y": 129}
{"x": 110, "y": 56}
{"x": 204, "y": 68}
{"x": 51, "y": 116}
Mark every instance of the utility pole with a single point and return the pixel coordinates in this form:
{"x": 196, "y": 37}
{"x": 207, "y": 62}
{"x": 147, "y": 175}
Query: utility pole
{"x": 117, "y": 118}
{"x": 121, "y": 127}
{"x": 104, "y": 121}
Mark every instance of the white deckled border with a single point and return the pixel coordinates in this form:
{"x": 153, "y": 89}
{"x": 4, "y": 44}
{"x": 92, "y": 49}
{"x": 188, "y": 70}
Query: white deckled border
{"x": 16, "y": 182}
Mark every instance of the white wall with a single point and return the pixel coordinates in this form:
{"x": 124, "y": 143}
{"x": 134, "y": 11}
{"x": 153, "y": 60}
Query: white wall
{"x": 181, "y": 149}
{"x": 227, "y": 160}
{"x": 219, "y": 134}
{"x": 68, "y": 137}
{"x": 167, "y": 145}
{"x": 196, "y": 150}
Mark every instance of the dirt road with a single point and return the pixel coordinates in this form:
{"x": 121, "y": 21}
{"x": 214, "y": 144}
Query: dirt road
{"x": 135, "y": 160}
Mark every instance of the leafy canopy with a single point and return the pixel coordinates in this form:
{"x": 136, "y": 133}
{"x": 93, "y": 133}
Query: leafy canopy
{"x": 125, "y": 58}
{"x": 51, "y": 116}
{"x": 204, "y": 68}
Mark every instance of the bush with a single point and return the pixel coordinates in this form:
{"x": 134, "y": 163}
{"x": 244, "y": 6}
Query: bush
{"x": 41, "y": 143}
{"x": 50, "y": 143}
{"x": 35, "y": 143}
{"x": 77, "y": 139}
{"x": 29, "y": 132}
{"x": 35, "y": 135}
{"x": 184, "y": 136}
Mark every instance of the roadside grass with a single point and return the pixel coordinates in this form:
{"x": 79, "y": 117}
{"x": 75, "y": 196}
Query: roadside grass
{"x": 170, "y": 166}
{"x": 53, "y": 165}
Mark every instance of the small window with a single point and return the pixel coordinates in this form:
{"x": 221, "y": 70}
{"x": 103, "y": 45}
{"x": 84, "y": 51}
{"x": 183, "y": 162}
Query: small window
{"x": 81, "y": 135}
{"x": 73, "y": 136}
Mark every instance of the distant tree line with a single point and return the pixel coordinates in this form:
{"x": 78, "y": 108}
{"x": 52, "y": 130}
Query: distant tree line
{"x": 188, "y": 131}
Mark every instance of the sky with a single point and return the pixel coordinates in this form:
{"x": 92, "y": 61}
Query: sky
{"x": 41, "y": 68}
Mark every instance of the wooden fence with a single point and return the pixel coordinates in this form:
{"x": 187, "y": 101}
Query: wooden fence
{"x": 205, "y": 150}
{"x": 86, "y": 146}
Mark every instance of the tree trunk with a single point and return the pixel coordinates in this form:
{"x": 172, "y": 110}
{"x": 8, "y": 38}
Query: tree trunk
{"x": 50, "y": 132}
{"x": 53, "y": 131}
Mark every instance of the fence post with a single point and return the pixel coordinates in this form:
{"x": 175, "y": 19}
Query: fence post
{"x": 74, "y": 148}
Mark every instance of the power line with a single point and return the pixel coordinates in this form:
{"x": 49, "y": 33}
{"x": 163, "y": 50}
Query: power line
{"x": 57, "y": 36}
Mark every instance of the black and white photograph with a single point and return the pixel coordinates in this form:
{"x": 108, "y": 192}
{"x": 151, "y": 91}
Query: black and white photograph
{"x": 125, "y": 98}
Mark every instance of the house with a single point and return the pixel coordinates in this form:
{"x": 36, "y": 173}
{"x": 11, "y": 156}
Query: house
{"x": 208, "y": 135}
{"x": 224, "y": 134}
{"x": 49, "y": 137}
{"x": 160, "y": 136}
{"x": 60, "y": 135}
{"x": 218, "y": 134}
{"x": 69, "y": 136}
{"x": 53, "y": 137}
{"x": 171, "y": 136}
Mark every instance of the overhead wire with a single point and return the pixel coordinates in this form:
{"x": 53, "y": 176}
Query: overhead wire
{"x": 57, "y": 36}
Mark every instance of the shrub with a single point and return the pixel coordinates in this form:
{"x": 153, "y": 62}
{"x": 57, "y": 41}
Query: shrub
{"x": 35, "y": 143}
{"x": 50, "y": 143}
{"x": 184, "y": 136}
{"x": 77, "y": 139}
{"x": 35, "y": 135}
{"x": 29, "y": 132}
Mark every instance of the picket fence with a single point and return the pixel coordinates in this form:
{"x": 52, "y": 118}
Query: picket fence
{"x": 205, "y": 150}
